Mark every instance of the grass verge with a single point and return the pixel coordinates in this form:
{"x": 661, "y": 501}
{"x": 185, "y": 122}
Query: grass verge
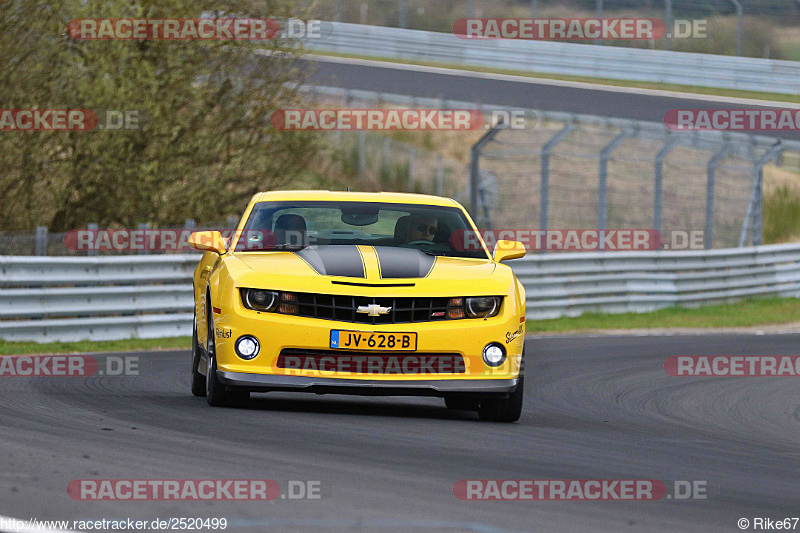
{"x": 690, "y": 89}
{"x": 754, "y": 312}
{"x": 128, "y": 345}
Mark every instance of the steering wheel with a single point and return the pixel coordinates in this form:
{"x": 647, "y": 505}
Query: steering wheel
{"x": 422, "y": 243}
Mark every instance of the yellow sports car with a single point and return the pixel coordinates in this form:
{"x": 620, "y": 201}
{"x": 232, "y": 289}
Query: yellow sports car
{"x": 359, "y": 293}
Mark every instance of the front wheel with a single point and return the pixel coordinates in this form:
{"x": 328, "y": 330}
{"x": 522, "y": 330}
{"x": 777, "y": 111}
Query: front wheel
{"x": 216, "y": 395}
{"x": 505, "y": 409}
{"x": 198, "y": 379}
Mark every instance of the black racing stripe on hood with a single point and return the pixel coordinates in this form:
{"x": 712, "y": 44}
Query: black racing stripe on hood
{"x": 340, "y": 260}
{"x": 403, "y": 262}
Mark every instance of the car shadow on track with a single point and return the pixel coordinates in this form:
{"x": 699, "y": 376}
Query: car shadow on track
{"x": 365, "y": 407}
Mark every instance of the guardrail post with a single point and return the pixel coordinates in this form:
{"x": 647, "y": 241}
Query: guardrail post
{"x": 602, "y": 202}
{"x": 41, "y": 240}
{"x": 755, "y": 206}
{"x": 712, "y": 168}
{"x": 92, "y": 226}
{"x": 658, "y": 202}
{"x": 475, "y": 170}
{"x": 544, "y": 193}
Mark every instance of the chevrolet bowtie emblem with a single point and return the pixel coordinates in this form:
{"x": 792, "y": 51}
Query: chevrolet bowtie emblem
{"x": 373, "y": 310}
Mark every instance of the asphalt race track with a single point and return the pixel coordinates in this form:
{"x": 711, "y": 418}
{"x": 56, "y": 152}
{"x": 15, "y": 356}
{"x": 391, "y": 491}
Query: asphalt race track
{"x": 595, "y": 408}
{"x": 530, "y": 93}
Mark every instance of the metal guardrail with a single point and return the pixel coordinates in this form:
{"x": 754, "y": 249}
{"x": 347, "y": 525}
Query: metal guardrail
{"x": 151, "y": 296}
{"x": 48, "y": 299}
{"x": 705, "y": 70}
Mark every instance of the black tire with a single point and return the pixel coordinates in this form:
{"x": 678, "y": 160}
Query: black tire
{"x": 198, "y": 379}
{"x": 505, "y": 409}
{"x": 461, "y": 403}
{"x": 216, "y": 394}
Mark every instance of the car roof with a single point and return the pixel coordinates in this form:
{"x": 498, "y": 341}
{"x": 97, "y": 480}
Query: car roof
{"x": 342, "y": 196}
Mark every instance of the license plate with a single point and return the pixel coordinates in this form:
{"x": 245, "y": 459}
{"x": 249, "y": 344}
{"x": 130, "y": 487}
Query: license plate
{"x": 365, "y": 340}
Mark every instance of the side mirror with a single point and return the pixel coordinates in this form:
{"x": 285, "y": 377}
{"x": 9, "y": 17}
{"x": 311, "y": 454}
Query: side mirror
{"x": 505, "y": 250}
{"x": 211, "y": 241}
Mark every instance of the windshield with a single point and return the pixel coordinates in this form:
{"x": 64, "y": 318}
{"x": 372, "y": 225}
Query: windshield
{"x": 279, "y": 226}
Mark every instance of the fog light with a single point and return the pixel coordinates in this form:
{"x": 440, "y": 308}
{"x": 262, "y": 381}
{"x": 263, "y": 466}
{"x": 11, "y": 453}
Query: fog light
{"x": 494, "y": 354}
{"x": 247, "y": 347}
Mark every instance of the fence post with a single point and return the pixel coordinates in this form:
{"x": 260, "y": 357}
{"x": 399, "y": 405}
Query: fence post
{"x": 439, "y": 175}
{"x": 602, "y": 202}
{"x": 755, "y": 205}
{"x": 668, "y": 23}
{"x": 41, "y": 240}
{"x": 92, "y": 226}
{"x": 739, "y": 15}
{"x": 362, "y": 155}
{"x": 385, "y": 162}
{"x": 143, "y": 226}
{"x": 475, "y": 169}
{"x": 659, "y": 183}
{"x": 412, "y": 154}
{"x": 712, "y": 168}
{"x": 402, "y": 14}
{"x": 544, "y": 186}
{"x": 599, "y": 15}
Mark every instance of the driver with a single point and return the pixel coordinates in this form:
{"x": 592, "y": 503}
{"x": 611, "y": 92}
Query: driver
{"x": 421, "y": 228}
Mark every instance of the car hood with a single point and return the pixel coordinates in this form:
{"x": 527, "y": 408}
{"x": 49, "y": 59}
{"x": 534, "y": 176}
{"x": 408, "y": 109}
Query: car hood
{"x": 363, "y": 269}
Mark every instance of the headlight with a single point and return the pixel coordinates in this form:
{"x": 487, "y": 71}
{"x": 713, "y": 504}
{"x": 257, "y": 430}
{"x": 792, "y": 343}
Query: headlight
{"x": 270, "y": 301}
{"x": 482, "y": 306}
{"x": 494, "y": 354}
{"x": 260, "y": 300}
{"x": 247, "y": 347}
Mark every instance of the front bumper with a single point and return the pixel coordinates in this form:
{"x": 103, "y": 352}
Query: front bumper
{"x": 277, "y": 333}
{"x": 367, "y": 387}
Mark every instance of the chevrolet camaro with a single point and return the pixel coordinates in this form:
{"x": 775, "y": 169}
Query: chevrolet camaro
{"x": 359, "y": 293}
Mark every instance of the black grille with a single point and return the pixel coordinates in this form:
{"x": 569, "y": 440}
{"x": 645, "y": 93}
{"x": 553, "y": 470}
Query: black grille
{"x": 343, "y": 308}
